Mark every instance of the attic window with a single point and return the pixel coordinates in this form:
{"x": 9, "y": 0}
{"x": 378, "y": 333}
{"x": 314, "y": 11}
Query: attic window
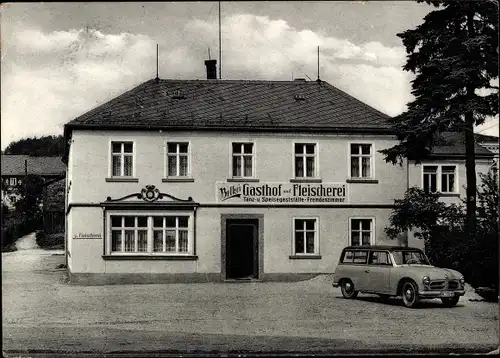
{"x": 299, "y": 97}
{"x": 177, "y": 94}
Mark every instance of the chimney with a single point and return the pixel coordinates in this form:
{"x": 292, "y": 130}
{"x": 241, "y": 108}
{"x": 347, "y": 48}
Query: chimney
{"x": 211, "y": 69}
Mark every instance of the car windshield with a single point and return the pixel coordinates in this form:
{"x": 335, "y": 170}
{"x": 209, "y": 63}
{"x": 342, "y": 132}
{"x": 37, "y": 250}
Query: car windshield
{"x": 410, "y": 257}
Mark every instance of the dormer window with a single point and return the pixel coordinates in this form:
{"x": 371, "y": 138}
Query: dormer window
{"x": 177, "y": 94}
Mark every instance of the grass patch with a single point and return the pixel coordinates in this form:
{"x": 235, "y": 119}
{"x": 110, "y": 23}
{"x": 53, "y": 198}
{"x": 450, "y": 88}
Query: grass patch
{"x": 50, "y": 241}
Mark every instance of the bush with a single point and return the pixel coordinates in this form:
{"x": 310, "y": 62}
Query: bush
{"x": 441, "y": 226}
{"x": 50, "y": 241}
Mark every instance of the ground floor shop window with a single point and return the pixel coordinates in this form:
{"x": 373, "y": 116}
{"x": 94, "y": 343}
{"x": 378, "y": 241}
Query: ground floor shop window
{"x": 361, "y": 231}
{"x": 164, "y": 234}
{"x": 305, "y": 236}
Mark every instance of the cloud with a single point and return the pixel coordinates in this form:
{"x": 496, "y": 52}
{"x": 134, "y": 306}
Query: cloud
{"x": 50, "y": 78}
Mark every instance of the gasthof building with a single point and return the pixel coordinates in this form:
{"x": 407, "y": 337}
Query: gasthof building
{"x": 213, "y": 180}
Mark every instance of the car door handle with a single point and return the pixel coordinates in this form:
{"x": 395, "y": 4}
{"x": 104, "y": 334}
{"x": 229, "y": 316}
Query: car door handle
{"x": 367, "y": 271}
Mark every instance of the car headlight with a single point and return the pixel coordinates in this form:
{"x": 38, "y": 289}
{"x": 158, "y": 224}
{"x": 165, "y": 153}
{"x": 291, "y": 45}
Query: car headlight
{"x": 426, "y": 280}
{"x": 462, "y": 280}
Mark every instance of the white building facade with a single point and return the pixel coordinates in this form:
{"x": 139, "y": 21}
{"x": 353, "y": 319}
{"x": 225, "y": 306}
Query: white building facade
{"x": 195, "y": 181}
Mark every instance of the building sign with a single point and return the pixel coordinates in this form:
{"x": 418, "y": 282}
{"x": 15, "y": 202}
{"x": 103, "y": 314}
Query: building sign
{"x": 281, "y": 193}
{"x": 88, "y": 236}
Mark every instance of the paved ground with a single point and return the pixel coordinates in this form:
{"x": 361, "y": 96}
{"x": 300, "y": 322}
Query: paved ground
{"x": 44, "y": 316}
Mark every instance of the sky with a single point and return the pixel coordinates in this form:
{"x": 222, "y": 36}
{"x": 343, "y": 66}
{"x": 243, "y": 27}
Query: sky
{"x": 60, "y": 60}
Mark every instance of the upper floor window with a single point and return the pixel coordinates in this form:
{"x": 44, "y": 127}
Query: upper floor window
{"x": 305, "y": 236}
{"x": 243, "y": 160}
{"x": 122, "y": 159}
{"x": 439, "y": 178}
{"x": 361, "y": 161}
{"x": 177, "y": 159}
{"x": 305, "y": 160}
{"x": 361, "y": 231}
{"x": 13, "y": 181}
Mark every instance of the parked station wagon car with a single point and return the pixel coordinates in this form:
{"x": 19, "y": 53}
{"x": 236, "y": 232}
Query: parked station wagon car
{"x": 396, "y": 271}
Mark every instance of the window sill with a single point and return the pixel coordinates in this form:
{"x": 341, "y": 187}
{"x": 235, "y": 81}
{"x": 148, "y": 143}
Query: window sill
{"x": 177, "y": 180}
{"x": 151, "y": 257}
{"x": 306, "y": 180}
{"x": 242, "y": 180}
{"x": 362, "y": 181}
{"x": 306, "y": 257}
{"x": 123, "y": 180}
{"x": 447, "y": 195}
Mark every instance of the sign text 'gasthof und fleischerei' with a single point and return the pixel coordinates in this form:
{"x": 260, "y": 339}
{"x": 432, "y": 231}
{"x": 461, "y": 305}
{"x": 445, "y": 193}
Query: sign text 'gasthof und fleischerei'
{"x": 282, "y": 193}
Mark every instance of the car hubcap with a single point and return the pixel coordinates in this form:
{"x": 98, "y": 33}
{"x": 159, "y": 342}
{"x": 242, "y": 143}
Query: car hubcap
{"x": 409, "y": 294}
{"x": 348, "y": 287}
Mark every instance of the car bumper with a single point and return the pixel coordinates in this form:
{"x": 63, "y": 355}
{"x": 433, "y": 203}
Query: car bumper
{"x": 441, "y": 294}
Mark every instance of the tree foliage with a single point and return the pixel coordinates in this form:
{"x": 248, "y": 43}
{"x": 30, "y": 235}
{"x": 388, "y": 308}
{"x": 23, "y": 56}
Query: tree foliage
{"x": 49, "y": 146}
{"x": 453, "y": 54}
{"x": 442, "y": 228}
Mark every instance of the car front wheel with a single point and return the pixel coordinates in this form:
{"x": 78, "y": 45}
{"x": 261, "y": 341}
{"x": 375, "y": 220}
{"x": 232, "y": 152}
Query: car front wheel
{"x": 410, "y": 294}
{"x": 347, "y": 288}
{"x": 450, "y": 302}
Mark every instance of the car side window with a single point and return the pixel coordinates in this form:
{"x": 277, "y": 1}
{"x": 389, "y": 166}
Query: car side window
{"x": 348, "y": 256}
{"x": 360, "y": 257}
{"x": 379, "y": 258}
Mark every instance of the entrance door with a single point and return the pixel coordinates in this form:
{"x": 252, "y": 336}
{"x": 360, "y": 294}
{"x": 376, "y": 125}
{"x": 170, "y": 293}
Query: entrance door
{"x": 241, "y": 249}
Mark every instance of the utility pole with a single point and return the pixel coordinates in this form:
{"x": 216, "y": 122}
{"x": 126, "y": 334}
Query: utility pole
{"x": 220, "y": 47}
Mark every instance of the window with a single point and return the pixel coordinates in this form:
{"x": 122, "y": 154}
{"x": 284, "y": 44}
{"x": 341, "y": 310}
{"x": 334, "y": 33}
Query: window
{"x": 439, "y": 178}
{"x": 165, "y": 234}
{"x": 177, "y": 159}
{"x": 360, "y": 257}
{"x": 448, "y": 179}
{"x": 361, "y": 161}
{"x": 348, "y": 256}
{"x": 13, "y": 181}
{"x": 430, "y": 178}
{"x": 410, "y": 257}
{"x": 361, "y": 232}
{"x": 305, "y": 160}
{"x": 379, "y": 258}
{"x": 243, "y": 157}
{"x": 305, "y": 236}
{"x": 170, "y": 234}
{"x": 122, "y": 159}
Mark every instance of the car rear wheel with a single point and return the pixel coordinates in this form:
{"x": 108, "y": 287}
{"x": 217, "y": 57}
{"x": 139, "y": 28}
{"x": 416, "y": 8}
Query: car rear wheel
{"x": 451, "y": 301}
{"x": 410, "y": 294}
{"x": 347, "y": 288}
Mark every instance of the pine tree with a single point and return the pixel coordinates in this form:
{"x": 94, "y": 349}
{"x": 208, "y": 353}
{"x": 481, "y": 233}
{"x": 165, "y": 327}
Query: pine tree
{"x": 454, "y": 56}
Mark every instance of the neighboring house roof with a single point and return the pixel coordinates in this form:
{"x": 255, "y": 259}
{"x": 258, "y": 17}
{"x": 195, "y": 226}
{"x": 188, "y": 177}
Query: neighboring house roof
{"x": 453, "y": 144}
{"x": 13, "y": 165}
{"x": 229, "y": 104}
{"x": 481, "y": 138}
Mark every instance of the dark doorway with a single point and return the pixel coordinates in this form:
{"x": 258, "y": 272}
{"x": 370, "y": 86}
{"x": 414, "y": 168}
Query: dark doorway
{"x": 242, "y": 249}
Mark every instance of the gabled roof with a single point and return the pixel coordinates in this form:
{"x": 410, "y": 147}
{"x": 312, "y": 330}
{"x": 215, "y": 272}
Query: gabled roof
{"x": 453, "y": 144}
{"x": 203, "y": 104}
{"x": 481, "y": 138}
{"x": 13, "y": 165}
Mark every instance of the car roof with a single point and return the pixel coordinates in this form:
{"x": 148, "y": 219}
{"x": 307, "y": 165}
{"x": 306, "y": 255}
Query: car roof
{"x": 381, "y": 247}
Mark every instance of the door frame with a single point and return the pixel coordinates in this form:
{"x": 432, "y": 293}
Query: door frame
{"x": 260, "y": 238}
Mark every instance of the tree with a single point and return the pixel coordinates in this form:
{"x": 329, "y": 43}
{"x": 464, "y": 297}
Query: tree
{"x": 49, "y": 146}
{"x": 454, "y": 56}
{"x": 442, "y": 227}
